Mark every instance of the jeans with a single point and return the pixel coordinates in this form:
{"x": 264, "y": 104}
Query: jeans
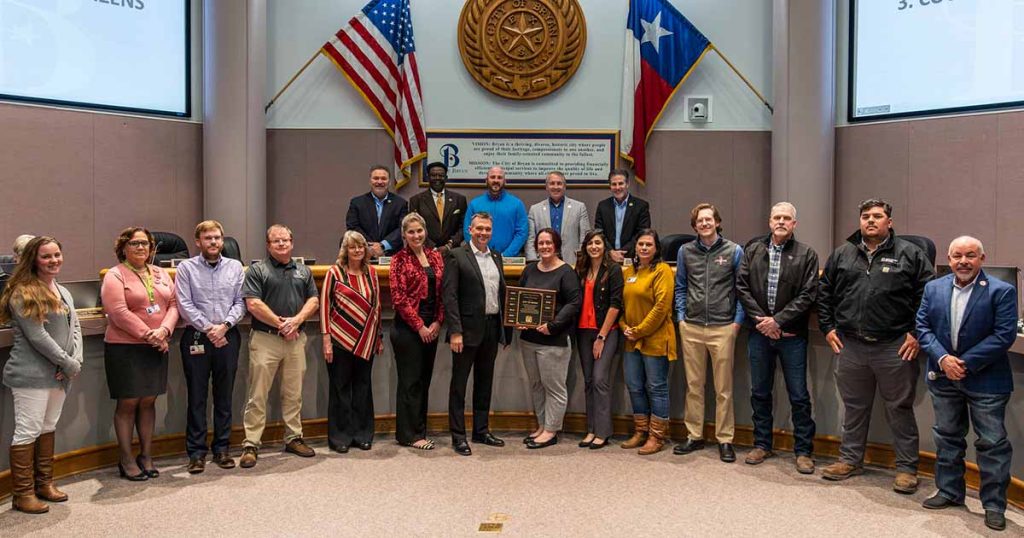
{"x": 792, "y": 354}
{"x": 647, "y": 380}
{"x": 952, "y": 406}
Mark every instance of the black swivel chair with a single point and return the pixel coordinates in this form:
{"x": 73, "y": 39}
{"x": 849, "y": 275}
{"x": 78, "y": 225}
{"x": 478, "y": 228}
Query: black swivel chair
{"x": 231, "y": 249}
{"x": 670, "y": 245}
{"x": 923, "y": 243}
{"x": 169, "y": 246}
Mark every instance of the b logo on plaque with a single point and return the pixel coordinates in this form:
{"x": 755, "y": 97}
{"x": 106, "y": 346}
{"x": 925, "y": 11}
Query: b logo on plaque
{"x": 522, "y": 49}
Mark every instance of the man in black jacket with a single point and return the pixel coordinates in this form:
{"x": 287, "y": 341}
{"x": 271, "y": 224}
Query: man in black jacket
{"x": 777, "y": 283}
{"x": 378, "y": 215}
{"x": 473, "y": 290}
{"x": 867, "y": 301}
{"x": 622, "y": 216}
{"x": 442, "y": 209}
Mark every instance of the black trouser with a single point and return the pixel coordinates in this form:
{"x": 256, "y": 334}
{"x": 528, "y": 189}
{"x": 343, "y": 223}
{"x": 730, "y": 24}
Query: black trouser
{"x": 479, "y": 359}
{"x": 349, "y": 400}
{"x": 220, "y": 364}
{"x": 415, "y": 363}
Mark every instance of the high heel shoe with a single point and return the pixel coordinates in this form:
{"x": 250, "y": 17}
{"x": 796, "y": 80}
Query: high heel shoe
{"x": 151, "y": 473}
{"x": 141, "y": 477}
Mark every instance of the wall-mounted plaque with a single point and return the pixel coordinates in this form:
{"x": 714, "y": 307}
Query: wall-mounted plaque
{"x": 528, "y": 307}
{"x": 522, "y": 49}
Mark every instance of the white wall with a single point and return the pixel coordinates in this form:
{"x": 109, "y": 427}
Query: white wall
{"x": 322, "y": 98}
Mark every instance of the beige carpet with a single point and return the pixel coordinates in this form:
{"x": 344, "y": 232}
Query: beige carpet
{"x": 558, "y": 491}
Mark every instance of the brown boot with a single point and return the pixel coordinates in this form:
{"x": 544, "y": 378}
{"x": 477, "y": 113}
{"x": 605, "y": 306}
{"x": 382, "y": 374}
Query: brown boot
{"x": 640, "y": 425}
{"x": 23, "y": 482}
{"x": 44, "y": 470}
{"x": 656, "y": 441}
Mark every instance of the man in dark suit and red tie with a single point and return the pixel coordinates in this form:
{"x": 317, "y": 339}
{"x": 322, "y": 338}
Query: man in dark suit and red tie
{"x": 378, "y": 215}
{"x": 442, "y": 209}
{"x": 622, "y": 216}
{"x": 966, "y": 324}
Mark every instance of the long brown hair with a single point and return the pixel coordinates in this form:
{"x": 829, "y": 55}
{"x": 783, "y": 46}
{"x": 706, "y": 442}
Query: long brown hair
{"x": 26, "y": 288}
{"x": 583, "y": 257}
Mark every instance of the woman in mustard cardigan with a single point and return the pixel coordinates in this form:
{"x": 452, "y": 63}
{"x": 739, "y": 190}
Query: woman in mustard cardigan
{"x": 650, "y": 342}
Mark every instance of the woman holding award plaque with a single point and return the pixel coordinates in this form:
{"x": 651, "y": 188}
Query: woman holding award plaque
{"x": 545, "y": 348}
{"x": 597, "y": 334}
{"x": 650, "y": 342}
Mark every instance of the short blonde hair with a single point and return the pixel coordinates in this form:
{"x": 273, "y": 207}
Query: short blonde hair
{"x": 351, "y": 238}
{"x": 208, "y": 225}
{"x": 19, "y": 244}
{"x": 411, "y": 218}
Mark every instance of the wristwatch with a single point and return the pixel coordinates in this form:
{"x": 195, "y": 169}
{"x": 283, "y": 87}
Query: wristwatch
{"x": 228, "y": 324}
{"x": 600, "y": 337}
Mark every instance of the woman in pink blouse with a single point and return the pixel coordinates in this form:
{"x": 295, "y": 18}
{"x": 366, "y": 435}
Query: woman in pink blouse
{"x": 138, "y": 298}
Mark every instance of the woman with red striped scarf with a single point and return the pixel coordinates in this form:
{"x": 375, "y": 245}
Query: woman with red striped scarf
{"x": 351, "y": 326}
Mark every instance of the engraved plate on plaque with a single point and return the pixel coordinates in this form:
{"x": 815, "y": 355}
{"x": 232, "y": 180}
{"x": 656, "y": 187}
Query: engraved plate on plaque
{"x": 528, "y": 307}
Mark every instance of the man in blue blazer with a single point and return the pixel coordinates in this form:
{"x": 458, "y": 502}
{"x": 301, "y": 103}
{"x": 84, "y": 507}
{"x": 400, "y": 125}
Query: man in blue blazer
{"x": 378, "y": 215}
{"x": 966, "y": 324}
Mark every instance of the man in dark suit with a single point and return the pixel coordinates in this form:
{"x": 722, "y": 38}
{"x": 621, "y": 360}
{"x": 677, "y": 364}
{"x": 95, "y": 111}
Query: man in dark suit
{"x": 474, "y": 285}
{"x": 378, "y": 215}
{"x": 622, "y": 216}
{"x": 966, "y": 324}
{"x": 441, "y": 209}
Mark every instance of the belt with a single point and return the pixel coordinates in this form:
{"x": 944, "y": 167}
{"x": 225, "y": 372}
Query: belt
{"x": 268, "y": 331}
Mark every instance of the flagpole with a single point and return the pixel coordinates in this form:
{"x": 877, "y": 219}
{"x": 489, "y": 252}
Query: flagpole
{"x": 744, "y": 79}
{"x": 295, "y": 76}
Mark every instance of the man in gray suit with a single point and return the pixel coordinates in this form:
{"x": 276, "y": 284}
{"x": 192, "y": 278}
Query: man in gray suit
{"x": 567, "y": 216}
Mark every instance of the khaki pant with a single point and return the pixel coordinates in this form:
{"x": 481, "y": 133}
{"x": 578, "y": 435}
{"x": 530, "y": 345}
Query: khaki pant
{"x": 267, "y": 354}
{"x": 719, "y": 341}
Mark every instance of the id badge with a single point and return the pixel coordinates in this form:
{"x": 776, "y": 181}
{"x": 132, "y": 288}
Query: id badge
{"x": 197, "y": 349}
{"x": 152, "y": 309}
{"x": 631, "y": 280}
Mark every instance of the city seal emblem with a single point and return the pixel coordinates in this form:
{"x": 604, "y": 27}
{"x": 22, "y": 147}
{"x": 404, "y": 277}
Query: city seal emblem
{"x": 522, "y": 49}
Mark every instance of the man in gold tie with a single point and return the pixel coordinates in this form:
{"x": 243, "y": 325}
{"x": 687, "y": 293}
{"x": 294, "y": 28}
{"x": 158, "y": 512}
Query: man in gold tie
{"x": 442, "y": 209}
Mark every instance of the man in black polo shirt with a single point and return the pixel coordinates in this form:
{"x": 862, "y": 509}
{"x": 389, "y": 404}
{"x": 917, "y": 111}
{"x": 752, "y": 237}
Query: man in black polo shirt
{"x": 280, "y": 295}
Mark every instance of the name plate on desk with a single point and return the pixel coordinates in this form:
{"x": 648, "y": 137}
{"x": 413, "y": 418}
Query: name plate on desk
{"x": 513, "y": 261}
{"x": 528, "y": 307}
{"x": 384, "y": 260}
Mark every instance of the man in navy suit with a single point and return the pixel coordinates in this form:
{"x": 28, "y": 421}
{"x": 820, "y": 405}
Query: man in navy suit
{"x": 966, "y": 324}
{"x": 378, "y": 215}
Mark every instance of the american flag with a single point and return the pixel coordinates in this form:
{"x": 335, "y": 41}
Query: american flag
{"x": 376, "y": 53}
{"x": 662, "y": 49}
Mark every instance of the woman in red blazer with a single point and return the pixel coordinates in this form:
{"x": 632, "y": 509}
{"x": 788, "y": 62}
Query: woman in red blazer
{"x": 415, "y": 275}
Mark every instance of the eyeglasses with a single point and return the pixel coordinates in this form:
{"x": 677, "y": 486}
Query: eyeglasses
{"x": 139, "y": 243}
{"x": 279, "y": 241}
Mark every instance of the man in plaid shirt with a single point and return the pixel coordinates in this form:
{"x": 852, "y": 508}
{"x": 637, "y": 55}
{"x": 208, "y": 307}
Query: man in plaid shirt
{"x": 777, "y": 283}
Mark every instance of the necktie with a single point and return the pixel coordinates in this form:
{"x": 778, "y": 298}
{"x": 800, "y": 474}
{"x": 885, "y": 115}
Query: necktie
{"x": 439, "y": 201}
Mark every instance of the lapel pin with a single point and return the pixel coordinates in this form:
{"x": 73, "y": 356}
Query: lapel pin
{"x": 983, "y": 282}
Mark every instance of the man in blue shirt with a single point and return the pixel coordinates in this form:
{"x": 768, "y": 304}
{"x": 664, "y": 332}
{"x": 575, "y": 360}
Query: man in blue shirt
{"x": 506, "y": 210}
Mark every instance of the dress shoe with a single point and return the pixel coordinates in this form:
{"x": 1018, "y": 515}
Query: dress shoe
{"x": 841, "y": 470}
{"x": 598, "y": 446}
{"x": 938, "y": 502}
{"x": 223, "y": 460}
{"x": 534, "y": 444}
{"x": 691, "y": 445}
{"x": 142, "y": 476}
{"x": 461, "y": 447}
{"x": 299, "y": 447}
{"x": 488, "y": 439}
{"x": 249, "y": 457}
{"x": 995, "y": 520}
{"x": 196, "y": 465}
{"x": 757, "y": 456}
{"x": 804, "y": 464}
{"x": 361, "y": 445}
{"x": 905, "y": 483}
{"x": 340, "y": 449}
{"x": 528, "y": 438}
{"x": 726, "y": 452}
{"x": 152, "y": 473}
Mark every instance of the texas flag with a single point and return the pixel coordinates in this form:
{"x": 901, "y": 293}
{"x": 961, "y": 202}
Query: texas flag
{"x": 662, "y": 49}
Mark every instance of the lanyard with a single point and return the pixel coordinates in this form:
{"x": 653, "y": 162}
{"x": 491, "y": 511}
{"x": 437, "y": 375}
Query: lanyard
{"x": 147, "y": 281}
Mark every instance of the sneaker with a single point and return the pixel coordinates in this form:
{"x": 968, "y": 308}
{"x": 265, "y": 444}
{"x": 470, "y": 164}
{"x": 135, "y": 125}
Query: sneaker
{"x": 248, "y": 458}
{"x": 299, "y": 447}
{"x": 757, "y": 456}
{"x": 905, "y": 483}
{"x": 223, "y": 460}
{"x": 841, "y": 471}
{"x": 804, "y": 464}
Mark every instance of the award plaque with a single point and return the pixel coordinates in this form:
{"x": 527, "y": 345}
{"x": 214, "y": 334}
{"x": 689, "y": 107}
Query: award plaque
{"x": 528, "y": 307}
